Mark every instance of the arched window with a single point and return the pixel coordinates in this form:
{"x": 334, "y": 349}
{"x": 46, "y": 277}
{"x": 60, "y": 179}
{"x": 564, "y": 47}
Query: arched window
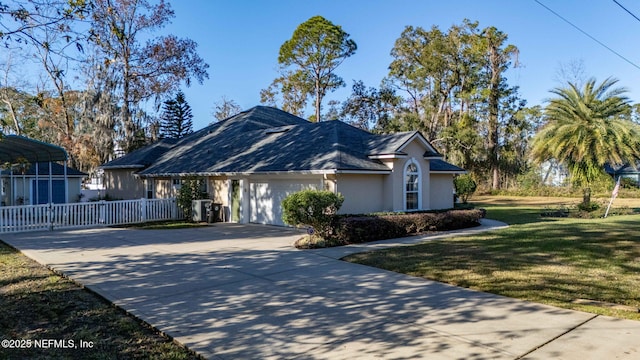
{"x": 412, "y": 186}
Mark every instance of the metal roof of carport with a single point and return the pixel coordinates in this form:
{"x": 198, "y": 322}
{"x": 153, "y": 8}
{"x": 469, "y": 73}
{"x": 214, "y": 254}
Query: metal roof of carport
{"x": 14, "y": 147}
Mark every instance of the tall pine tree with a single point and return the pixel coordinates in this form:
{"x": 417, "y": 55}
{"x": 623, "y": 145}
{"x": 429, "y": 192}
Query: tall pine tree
{"x": 176, "y": 120}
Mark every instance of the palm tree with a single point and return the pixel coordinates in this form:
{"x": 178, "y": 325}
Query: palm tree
{"x": 585, "y": 129}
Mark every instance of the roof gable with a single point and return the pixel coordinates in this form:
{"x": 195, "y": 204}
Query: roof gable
{"x": 393, "y": 145}
{"x": 613, "y": 169}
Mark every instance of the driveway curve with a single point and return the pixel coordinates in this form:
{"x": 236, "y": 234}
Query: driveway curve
{"x": 234, "y": 291}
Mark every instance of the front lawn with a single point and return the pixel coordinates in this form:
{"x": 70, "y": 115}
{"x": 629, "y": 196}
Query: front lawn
{"x": 39, "y": 305}
{"x": 583, "y": 264}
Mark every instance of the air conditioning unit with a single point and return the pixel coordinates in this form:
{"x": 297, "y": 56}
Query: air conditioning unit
{"x": 199, "y": 210}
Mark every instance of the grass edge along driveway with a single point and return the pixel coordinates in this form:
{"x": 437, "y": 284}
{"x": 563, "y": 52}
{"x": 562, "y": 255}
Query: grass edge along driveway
{"x": 591, "y": 265}
{"x": 38, "y": 304}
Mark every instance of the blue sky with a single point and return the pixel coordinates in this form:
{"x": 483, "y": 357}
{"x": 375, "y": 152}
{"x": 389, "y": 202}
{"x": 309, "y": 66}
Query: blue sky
{"x": 240, "y": 40}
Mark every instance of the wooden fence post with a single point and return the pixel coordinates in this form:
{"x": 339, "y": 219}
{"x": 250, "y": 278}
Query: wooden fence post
{"x": 51, "y": 215}
{"x": 143, "y": 209}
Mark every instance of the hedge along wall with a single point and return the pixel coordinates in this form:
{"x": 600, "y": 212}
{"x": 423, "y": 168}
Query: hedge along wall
{"x": 358, "y": 229}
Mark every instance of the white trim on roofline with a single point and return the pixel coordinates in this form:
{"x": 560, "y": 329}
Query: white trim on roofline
{"x": 372, "y": 172}
{"x": 248, "y": 173}
{"x": 422, "y": 139}
{"x": 388, "y": 156}
{"x": 116, "y": 167}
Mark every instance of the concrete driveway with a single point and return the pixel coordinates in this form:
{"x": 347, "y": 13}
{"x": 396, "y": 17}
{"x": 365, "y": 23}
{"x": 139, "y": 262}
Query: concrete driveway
{"x": 243, "y": 292}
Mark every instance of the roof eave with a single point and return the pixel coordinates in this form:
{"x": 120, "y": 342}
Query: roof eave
{"x": 388, "y": 156}
{"x": 460, "y": 172}
{"x": 115, "y": 167}
{"x": 240, "y": 173}
{"x": 288, "y": 172}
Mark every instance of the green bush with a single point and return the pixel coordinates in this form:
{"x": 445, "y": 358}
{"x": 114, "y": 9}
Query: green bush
{"x": 358, "y": 229}
{"x": 315, "y": 208}
{"x": 465, "y": 187}
{"x": 589, "y": 207}
{"x": 627, "y": 183}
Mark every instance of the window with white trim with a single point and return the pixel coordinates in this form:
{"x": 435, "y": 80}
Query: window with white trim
{"x": 412, "y": 188}
{"x": 149, "y": 189}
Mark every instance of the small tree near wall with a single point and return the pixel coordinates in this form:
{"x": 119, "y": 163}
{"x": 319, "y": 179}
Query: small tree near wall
{"x": 465, "y": 187}
{"x": 190, "y": 190}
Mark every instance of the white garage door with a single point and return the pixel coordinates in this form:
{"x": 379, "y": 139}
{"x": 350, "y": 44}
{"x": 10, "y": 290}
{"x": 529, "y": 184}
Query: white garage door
{"x": 267, "y": 196}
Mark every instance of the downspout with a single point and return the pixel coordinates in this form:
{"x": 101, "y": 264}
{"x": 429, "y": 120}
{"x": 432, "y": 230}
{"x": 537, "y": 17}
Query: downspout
{"x": 335, "y": 183}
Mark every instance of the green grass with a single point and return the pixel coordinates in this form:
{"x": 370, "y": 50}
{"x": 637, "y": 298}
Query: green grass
{"x": 555, "y": 261}
{"x": 37, "y": 304}
{"x": 165, "y": 225}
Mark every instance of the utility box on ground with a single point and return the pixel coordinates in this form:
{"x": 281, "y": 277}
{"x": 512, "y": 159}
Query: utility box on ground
{"x": 199, "y": 210}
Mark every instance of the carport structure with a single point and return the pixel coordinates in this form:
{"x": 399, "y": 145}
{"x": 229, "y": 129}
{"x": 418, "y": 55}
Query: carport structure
{"x": 18, "y": 152}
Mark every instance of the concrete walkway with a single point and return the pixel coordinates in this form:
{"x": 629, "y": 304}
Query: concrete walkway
{"x": 243, "y": 292}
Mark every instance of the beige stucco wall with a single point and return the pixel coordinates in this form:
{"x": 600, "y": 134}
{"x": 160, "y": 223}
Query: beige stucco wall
{"x": 441, "y": 191}
{"x": 121, "y": 184}
{"x": 362, "y": 193}
{"x": 163, "y": 188}
{"x": 74, "y": 188}
{"x": 219, "y": 189}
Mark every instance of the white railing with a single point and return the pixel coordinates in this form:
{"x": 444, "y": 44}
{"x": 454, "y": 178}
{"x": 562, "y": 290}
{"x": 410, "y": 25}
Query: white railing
{"x": 77, "y": 215}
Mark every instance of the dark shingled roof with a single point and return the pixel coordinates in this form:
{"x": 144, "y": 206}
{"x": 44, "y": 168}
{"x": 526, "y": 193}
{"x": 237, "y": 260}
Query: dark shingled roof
{"x": 437, "y": 165}
{"x": 622, "y": 169}
{"x": 142, "y": 157}
{"x": 265, "y": 139}
{"x": 389, "y": 144}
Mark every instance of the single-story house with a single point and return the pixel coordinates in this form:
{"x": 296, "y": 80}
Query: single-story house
{"x": 254, "y": 159}
{"x": 626, "y": 171}
{"x": 32, "y": 173}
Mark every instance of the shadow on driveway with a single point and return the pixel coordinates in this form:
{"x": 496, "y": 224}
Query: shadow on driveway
{"x": 242, "y": 291}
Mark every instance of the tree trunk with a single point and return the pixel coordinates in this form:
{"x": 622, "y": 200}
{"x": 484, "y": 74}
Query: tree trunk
{"x": 12, "y": 112}
{"x": 547, "y": 174}
{"x": 318, "y": 98}
{"x": 494, "y": 100}
{"x": 127, "y": 121}
{"x": 586, "y": 196}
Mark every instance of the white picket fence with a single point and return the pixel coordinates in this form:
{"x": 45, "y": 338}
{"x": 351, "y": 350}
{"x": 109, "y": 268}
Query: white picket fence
{"x": 79, "y": 215}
